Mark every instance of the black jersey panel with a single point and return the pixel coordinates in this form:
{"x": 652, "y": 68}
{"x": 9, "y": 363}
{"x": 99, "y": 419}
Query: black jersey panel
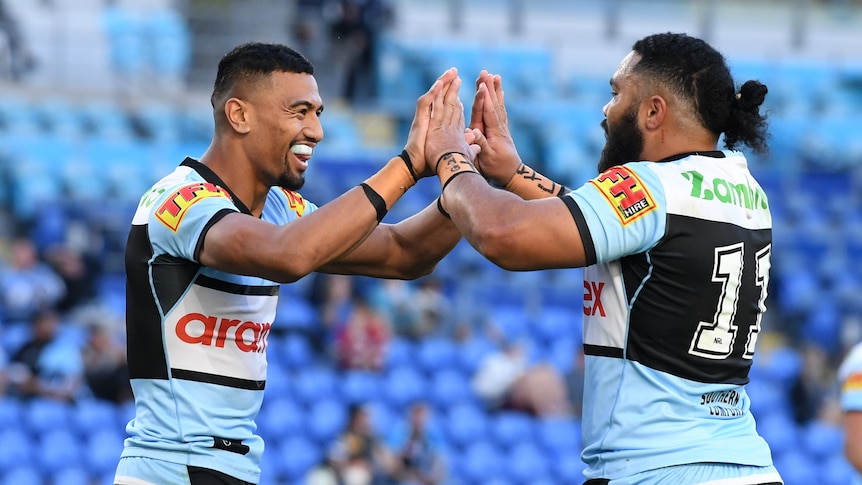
{"x": 144, "y": 346}
{"x": 686, "y": 289}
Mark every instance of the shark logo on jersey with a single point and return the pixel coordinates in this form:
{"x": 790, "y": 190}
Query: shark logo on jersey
{"x": 625, "y": 192}
{"x": 295, "y": 201}
{"x": 172, "y": 210}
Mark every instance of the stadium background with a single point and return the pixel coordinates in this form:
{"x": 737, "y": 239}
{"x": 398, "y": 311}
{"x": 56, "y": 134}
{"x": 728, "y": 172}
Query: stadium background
{"x": 119, "y": 94}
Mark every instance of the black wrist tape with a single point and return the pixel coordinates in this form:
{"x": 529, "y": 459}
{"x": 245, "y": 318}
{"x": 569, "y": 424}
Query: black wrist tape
{"x": 375, "y": 199}
{"x": 406, "y": 157}
{"x": 450, "y": 179}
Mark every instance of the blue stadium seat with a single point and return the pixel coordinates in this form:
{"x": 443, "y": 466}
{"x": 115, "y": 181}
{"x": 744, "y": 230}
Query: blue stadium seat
{"x": 22, "y": 474}
{"x": 295, "y": 313}
{"x": 71, "y": 475}
{"x": 837, "y": 471}
{"x": 293, "y": 351}
{"x": 472, "y": 352}
{"x": 403, "y": 385}
{"x": 400, "y": 352}
{"x": 511, "y": 320}
{"x": 767, "y": 395}
{"x": 294, "y": 457}
{"x": 509, "y": 428}
{"x": 315, "y": 383}
{"x": 797, "y": 468}
{"x": 569, "y": 468}
{"x": 326, "y": 419}
{"x": 465, "y": 423}
{"x": 170, "y": 43}
{"x": 561, "y": 436}
{"x": 125, "y": 32}
{"x": 20, "y": 447}
{"x": 554, "y": 322}
{"x": 11, "y": 409}
{"x": 526, "y": 462}
{"x": 90, "y": 415}
{"x": 44, "y": 415}
{"x": 435, "y": 354}
{"x": 449, "y": 387}
{"x": 58, "y": 448}
{"x": 360, "y": 386}
{"x": 483, "y": 462}
{"x": 780, "y": 365}
{"x": 282, "y": 417}
{"x": 780, "y": 431}
{"x": 823, "y": 440}
{"x": 103, "y": 448}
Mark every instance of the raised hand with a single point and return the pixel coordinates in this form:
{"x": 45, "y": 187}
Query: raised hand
{"x": 498, "y": 159}
{"x": 415, "y": 146}
{"x": 447, "y": 128}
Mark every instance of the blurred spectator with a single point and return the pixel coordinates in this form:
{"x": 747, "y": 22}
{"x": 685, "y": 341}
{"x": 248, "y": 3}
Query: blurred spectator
{"x": 809, "y": 391}
{"x": 78, "y": 275}
{"x": 355, "y": 28}
{"x": 104, "y": 356}
{"x": 362, "y": 340}
{"x": 331, "y": 296}
{"x": 396, "y": 301}
{"x": 434, "y": 309}
{"x": 322, "y": 474}
{"x": 20, "y": 59}
{"x": 417, "y": 450}
{"x": 507, "y": 380}
{"x": 47, "y": 365}
{"x": 27, "y": 284}
{"x": 358, "y": 456}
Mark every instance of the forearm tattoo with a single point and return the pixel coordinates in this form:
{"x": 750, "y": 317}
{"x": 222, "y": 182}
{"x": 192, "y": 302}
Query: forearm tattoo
{"x": 541, "y": 182}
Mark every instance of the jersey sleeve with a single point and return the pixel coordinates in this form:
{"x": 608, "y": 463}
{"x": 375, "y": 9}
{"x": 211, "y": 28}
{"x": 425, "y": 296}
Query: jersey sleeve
{"x": 283, "y": 206}
{"x": 181, "y": 217}
{"x": 850, "y": 380}
{"x": 623, "y": 210}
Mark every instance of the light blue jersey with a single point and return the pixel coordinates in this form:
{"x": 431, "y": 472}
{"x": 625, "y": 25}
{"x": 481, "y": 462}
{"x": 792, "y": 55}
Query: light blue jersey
{"x": 197, "y": 337}
{"x": 672, "y": 312}
{"x": 850, "y": 380}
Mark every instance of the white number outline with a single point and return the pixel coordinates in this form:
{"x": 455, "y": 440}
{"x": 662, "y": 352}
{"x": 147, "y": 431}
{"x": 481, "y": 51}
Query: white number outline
{"x": 715, "y": 339}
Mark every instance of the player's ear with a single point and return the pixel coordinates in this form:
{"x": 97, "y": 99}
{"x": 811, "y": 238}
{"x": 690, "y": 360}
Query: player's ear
{"x": 237, "y": 113}
{"x": 656, "y": 110}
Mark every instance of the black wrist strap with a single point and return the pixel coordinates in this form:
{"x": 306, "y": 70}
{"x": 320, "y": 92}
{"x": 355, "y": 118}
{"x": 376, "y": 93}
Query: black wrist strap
{"x": 450, "y": 179}
{"x": 406, "y": 157}
{"x": 375, "y": 199}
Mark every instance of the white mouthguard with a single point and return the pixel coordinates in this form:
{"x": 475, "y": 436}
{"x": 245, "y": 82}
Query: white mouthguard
{"x": 301, "y": 150}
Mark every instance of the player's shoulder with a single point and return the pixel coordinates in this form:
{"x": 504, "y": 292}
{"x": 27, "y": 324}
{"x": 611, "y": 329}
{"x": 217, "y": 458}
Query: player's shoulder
{"x": 852, "y": 363}
{"x": 284, "y": 202}
{"x": 169, "y": 199}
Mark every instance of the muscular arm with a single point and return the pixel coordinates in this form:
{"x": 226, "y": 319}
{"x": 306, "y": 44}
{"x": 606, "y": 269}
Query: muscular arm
{"x": 406, "y": 250}
{"x": 242, "y": 244}
{"x": 853, "y": 438}
{"x": 514, "y": 233}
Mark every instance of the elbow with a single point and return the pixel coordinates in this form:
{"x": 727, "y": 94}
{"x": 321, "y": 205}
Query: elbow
{"x": 292, "y": 272}
{"x": 496, "y": 245}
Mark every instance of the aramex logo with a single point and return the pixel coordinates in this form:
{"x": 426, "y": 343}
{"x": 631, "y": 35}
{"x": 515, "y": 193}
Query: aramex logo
{"x": 197, "y": 328}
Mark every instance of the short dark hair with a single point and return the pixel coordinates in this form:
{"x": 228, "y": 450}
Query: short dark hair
{"x": 695, "y": 70}
{"x": 254, "y": 59}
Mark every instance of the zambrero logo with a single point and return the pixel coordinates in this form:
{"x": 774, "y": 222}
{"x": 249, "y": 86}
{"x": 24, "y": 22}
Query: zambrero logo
{"x": 295, "y": 201}
{"x": 625, "y": 192}
{"x": 197, "y": 328}
{"x": 172, "y": 210}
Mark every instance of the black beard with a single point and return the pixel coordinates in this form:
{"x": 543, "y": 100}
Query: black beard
{"x": 623, "y": 143}
{"x": 291, "y": 181}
